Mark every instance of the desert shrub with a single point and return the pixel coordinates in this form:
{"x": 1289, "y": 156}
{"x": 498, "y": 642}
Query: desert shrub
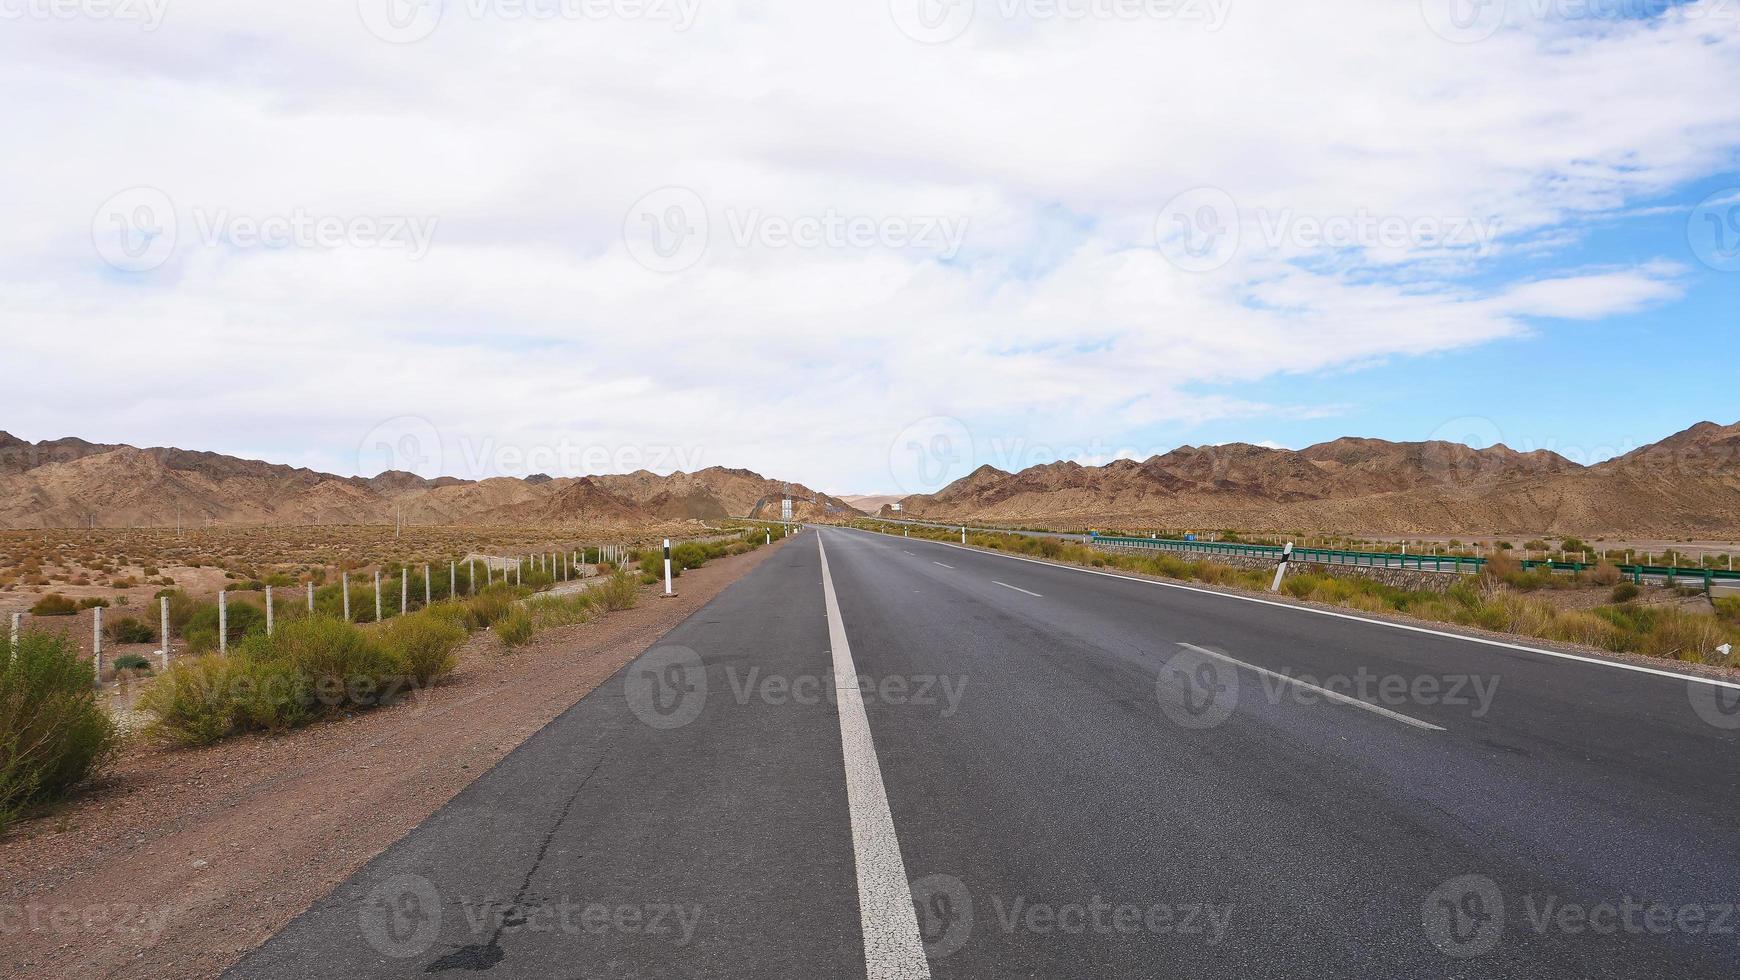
{"x": 489, "y": 606}
{"x": 618, "y": 593}
{"x": 93, "y": 602}
{"x": 202, "y": 627}
{"x": 193, "y": 702}
{"x": 422, "y": 644}
{"x": 1728, "y": 607}
{"x": 129, "y": 630}
{"x": 1624, "y": 592}
{"x": 1605, "y": 574}
{"x": 516, "y": 628}
{"x": 54, "y": 604}
{"x": 342, "y": 664}
{"x": 566, "y": 610}
{"x": 132, "y": 661}
{"x": 53, "y": 732}
{"x": 181, "y": 608}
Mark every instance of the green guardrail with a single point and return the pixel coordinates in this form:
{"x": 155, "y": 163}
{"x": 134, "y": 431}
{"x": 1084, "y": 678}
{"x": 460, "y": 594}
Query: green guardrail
{"x": 1385, "y": 559}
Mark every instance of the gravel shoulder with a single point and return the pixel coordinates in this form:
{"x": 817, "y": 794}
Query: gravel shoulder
{"x": 176, "y": 862}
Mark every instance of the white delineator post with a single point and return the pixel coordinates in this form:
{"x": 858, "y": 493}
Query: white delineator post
{"x": 668, "y": 591}
{"x": 97, "y": 646}
{"x": 268, "y": 610}
{"x": 223, "y": 621}
{"x": 769, "y": 535}
{"x": 163, "y": 610}
{"x": 1281, "y": 569}
{"x": 963, "y": 535}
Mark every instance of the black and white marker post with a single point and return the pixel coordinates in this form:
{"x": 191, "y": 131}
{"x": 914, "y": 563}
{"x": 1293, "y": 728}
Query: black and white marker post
{"x": 668, "y": 592}
{"x": 1281, "y": 569}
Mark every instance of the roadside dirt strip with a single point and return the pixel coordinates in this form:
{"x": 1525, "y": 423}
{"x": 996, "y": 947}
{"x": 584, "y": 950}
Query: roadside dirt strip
{"x": 177, "y": 862}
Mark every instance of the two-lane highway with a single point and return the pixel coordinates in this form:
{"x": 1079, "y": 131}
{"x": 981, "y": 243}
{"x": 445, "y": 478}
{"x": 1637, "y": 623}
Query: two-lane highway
{"x": 1041, "y": 771}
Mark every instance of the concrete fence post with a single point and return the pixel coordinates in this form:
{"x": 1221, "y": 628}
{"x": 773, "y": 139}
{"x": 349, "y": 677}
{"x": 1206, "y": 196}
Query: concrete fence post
{"x": 428, "y": 589}
{"x": 311, "y": 598}
{"x": 18, "y": 627}
{"x": 97, "y": 645}
{"x": 404, "y": 590}
{"x": 452, "y": 579}
{"x": 223, "y": 621}
{"x": 377, "y": 595}
{"x": 268, "y": 610}
{"x": 344, "y": 577}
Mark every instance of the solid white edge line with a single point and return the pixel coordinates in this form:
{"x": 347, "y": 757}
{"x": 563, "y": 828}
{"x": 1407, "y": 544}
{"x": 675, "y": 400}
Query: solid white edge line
{"x": 893, "y": 947}
{"x": 1017, "y": 588}
{"x": 1483, "y": 641}
{"x": 1336, "y": 696}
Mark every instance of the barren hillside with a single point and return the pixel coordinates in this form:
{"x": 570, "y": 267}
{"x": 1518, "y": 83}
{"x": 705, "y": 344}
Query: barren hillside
{"x": 1687, "y": 484}
{"x": 70, "y": 482}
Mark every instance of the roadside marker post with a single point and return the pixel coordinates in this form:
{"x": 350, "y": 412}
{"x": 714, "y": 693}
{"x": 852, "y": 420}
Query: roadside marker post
{"x": 404, "y": 590}
{"x": 1281, "y": 569}
{"x": 452, "y": 579}
{"x": 268, "y": 610}
{"x": 428, "y": 589}
{"x": 223, "y": 621}
{"x": 18, "y": 625}
{"x": 344, "y": 577}
{"x": 97, "y": 646}
{"x": 163, "y": 610}
{"x": 311, "y": 598}
{"x": 668, "y": 592}
{"x": 963, "y": 535}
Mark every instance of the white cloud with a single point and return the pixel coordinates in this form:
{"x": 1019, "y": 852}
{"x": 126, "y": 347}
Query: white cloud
{"x": 1056, "y": 144}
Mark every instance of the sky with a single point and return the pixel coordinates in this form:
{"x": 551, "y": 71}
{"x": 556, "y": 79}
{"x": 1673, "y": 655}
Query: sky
{"x": 867, "y": 246}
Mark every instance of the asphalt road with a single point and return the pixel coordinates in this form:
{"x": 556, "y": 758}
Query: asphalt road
{"x": 1045, "y": 772}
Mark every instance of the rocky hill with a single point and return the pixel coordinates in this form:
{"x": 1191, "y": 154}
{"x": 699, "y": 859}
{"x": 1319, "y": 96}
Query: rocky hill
{"x": 1685, "y": 485}
{"x": 70, "y": 483}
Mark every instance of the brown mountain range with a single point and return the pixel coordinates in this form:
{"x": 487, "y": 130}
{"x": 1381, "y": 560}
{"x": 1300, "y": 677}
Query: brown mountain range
{"x": 1686, "y": 485}
{"x": 71, "y": 483}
